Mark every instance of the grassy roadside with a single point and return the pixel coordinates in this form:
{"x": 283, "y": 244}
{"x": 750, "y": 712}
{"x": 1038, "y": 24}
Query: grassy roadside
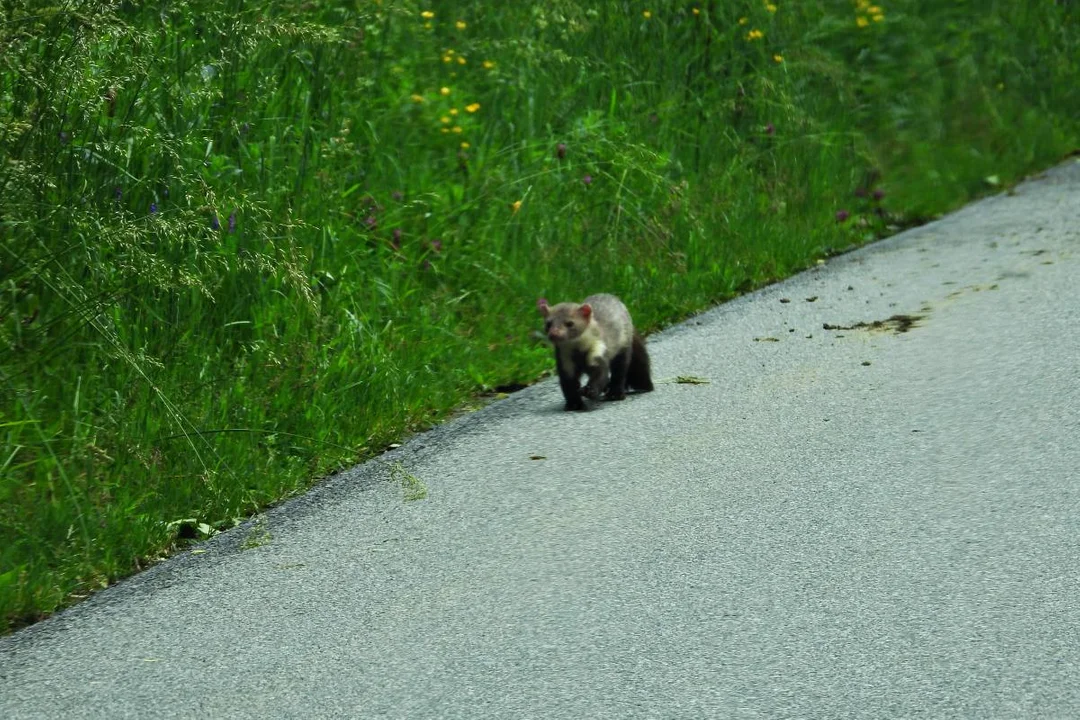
{"x": 243, "y": 244}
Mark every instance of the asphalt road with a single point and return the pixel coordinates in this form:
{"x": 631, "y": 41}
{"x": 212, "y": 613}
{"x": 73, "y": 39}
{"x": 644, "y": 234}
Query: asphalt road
{"x": 872, "y": 522}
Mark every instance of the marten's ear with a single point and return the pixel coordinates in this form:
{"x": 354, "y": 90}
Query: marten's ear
{"x": 542, "y": 306}
{"x": 586, "y": 311}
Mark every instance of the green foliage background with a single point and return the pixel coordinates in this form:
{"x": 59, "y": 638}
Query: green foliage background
{"x": 245, "y": 243}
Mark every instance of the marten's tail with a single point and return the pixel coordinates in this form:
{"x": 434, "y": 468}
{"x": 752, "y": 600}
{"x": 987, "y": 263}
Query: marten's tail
{"x": 639, "y": 374}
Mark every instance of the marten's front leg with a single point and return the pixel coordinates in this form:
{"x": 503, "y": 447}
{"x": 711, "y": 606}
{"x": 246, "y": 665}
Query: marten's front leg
{"x": 570, "y": 381}
{"x": 599, "y": 374}
{"x": 616, "y": 387}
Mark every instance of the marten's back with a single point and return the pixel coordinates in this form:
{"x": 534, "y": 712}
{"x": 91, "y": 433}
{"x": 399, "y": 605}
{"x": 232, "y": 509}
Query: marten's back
{"x": 613, "y": 320}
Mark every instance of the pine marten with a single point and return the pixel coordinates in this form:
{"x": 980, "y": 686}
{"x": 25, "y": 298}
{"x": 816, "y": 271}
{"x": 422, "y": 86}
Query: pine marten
{"x": 596, "y": 338}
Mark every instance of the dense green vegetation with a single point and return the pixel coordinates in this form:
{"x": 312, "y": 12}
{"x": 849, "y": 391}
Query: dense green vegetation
{"x": 243, "y": 244}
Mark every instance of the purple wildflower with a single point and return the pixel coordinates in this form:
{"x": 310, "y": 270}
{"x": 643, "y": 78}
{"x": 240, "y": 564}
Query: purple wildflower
{"x": 395, "y": 241}
{"x": 215, "y": 224}
{"x": 63, "y": 137}
{"x": 842, "y": 215}
{"x": 879, "y": 194}
{"x": 436, "y": 245}
{"x": 397, "y": 196}
{"x": 118, "y": 193}
{"x": 587, "y": 179}
{"x": 232, "y": 221}
{"x": 153, "y": 208}
{"x": 770, "y": 129}
{"x": 560, "y": 150}
{"x": 372, "y": 222}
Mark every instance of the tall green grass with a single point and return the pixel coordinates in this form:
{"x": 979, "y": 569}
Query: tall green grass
{"x": 244, "y": 244}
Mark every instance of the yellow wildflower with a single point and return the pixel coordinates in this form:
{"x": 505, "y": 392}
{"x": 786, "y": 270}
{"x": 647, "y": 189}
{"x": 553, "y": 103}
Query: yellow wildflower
{"x": 770, "y": 7}
{"x": 472, "y": 108}
{"x": 456, "y": 129}
{"x": 879, "y": 18}
{"x": 446, "y": 58}
{"x": 516, "y": 205}
{"x": 417, "y": 98}
{"x": 755, "y": 34}
{"x": 464, "y": 146}
{"x": 488, "y": 65}
{"x": 696, "y": 11}
{"x": 460, "y": 25}
{"x": 453, "y": 111}
{"x": 873, "y": 10}
{"x": 743, "y": 21}
{"x": 427, "y": 15}
{"x": 778, "y": 58}
{"x": 861, "y": 21}
{"x": 444, "y": 120}
{"x": 444, "y": 91}
{"x": 460, "y": 60}
{"x": 427, "y": 26}
{"x": 647, "y": 14}
{"x": 445, "y": 130}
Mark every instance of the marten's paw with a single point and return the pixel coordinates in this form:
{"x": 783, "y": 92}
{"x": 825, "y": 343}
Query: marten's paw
{"x": 612, "y": 395}
{"x": 591, "y": 391}
{"x": 577, "y": 404}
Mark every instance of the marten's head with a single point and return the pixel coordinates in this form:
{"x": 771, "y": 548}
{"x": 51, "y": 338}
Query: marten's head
{"x": 565, "y": 321}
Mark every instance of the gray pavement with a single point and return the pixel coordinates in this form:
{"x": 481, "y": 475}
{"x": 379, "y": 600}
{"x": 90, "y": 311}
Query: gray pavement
{"x": 845, "y": 523}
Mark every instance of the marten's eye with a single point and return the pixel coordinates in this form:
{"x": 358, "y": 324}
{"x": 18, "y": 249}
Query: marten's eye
{"x": 547, "y": 325}
{"x": 569, "y": 323}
